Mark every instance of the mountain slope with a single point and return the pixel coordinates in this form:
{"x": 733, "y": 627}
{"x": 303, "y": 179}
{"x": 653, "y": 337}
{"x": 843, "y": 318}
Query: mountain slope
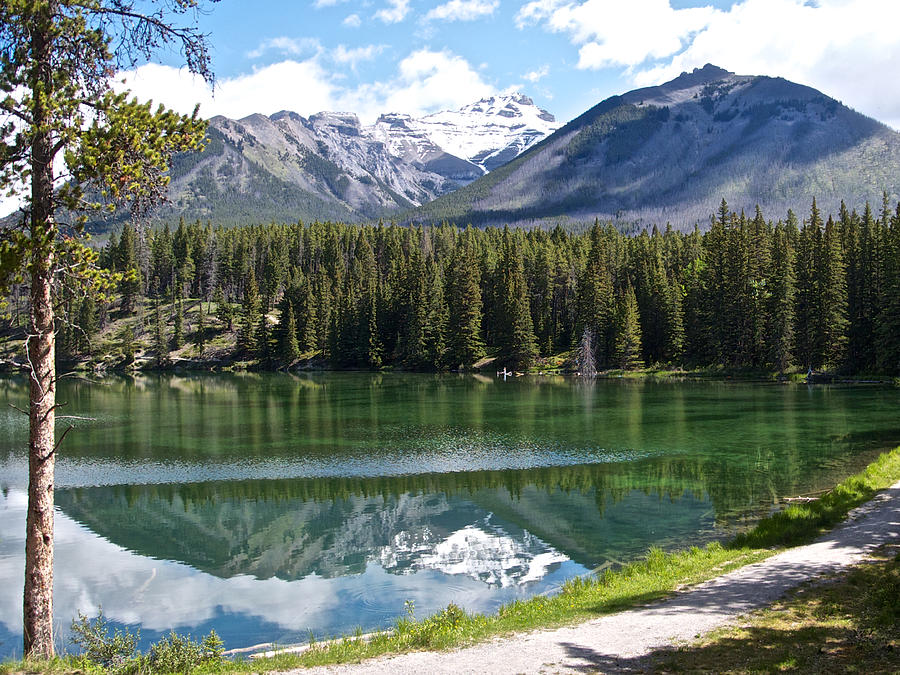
{"x": 330, "y": 166}
{"x": 285, "y": 168}
{"x": 672, "y": 152}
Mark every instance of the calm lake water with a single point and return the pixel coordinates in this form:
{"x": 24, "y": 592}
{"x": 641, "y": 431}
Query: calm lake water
{"x": 270, "y": 507}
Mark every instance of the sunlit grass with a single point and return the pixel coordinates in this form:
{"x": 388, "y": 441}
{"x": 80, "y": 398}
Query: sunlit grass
{"x": 849, "y": 624}
{"x": 58, "y": 665}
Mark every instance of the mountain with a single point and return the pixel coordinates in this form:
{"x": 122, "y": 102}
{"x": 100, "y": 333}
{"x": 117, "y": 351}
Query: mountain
{"x": 489, "y": 132}
{"x": 671, "y": 153}
{"x": 330, "y": 166}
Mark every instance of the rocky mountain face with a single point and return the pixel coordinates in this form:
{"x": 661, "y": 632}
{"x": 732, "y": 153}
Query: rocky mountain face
{"x": 671, "y": 153}
{"x": 329, "y": 166}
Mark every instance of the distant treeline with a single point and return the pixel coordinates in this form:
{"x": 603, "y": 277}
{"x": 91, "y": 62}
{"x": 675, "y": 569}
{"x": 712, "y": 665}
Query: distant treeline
{"x": 746, "y": 293}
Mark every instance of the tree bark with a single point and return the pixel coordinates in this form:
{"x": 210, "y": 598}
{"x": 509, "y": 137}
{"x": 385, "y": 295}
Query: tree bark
{"x": 38, "y": 598}
{"x": 38, "y": 595}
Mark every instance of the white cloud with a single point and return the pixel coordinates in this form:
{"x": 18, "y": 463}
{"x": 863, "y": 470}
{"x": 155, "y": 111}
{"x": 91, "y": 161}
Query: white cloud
{"x": 319, "y": 4}
{"x": 463, "y": 10}
{"x": 352, "y": 21}
{"x": 286, "y": 46}
{"x": 303, "y": 86}
{"x": 353, "y": 56}
{"x": 425, "y": 81}
{"x": 537, "y": 75}
{"x": 846, "y": 48}
{"x": 395, "y": 12}
{"x": 613, "y": 33}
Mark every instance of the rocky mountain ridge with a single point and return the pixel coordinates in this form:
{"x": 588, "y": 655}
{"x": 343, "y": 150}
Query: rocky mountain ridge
{"x": 285, "y": 167}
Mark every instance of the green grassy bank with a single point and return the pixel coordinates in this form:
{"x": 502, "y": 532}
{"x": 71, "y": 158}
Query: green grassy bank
{"x": 653, "y": 577}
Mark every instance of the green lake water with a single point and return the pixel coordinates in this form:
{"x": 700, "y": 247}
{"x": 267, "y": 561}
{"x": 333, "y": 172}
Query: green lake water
{"x": 270, "y": 507}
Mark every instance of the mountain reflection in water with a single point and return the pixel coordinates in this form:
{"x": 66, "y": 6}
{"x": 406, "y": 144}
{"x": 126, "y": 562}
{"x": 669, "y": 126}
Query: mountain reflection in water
{"x": 268, "y": 507}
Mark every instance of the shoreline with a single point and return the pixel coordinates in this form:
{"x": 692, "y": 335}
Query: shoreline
{"x": 223, "y": 365}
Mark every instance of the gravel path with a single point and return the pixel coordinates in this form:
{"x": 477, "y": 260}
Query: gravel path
{"x": 617, "y": 642}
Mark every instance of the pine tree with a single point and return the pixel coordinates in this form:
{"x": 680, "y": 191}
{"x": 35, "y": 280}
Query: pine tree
{"x": 516, "y": 345}
{"x": 308, "y": 327}
{"x": 366, "y": 312}
{"x": 627, "y": 354}
{"x": 200, "y": 333}
{"x": 224, "y": 310}
{"x": 464, "y": 342}
{"x": 436, "y": 317}
{"x": 160, "y": 343}
{"x": 288, "y": 348}
{"x": 324, "y": 307}
{"x": 759, "y": 265}
{"x": 595, "y": 306}
{"x": 888, "y": 321}
{"x": 833, "y": 293}
{"x": 714, "y": 307}
{"x": 162, "y": 262}
{"x": 182, "y": 249}
{"x": 87, "y": 325}
{"x": 674, "y": 320}
{"x": 127, "y": 263}
{"x": 779, "y": 330}
{"x": 263, "y": 346}
{"x": 250, "y": 315}
{"x": 127, "y": 346}
{"x": 178, "y": 330}
{"x": 807, "y": 304}
{"x": 411, "y": 345}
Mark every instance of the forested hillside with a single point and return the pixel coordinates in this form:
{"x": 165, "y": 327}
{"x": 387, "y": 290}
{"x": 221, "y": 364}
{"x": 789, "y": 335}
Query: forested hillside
{"x": 823, "y": 292}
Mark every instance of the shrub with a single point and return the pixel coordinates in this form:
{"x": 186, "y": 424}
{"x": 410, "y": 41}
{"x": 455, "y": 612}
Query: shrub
{"x": 113, "y": 652}
{"x": 117, "y": 652}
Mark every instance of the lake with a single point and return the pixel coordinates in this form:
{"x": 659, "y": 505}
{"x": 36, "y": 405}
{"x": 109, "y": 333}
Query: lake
{"x": 271, "y": 507}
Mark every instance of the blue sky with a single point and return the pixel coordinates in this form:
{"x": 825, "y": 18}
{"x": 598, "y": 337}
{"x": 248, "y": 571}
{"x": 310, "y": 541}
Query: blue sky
{"x": 419, "y": 56}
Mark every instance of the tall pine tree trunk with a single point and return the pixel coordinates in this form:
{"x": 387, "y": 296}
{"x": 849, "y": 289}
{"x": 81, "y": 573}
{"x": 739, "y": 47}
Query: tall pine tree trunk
{"x": 38, "y": 597}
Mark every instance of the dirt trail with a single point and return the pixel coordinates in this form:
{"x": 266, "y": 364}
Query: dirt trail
{"x": 618, "y": 642}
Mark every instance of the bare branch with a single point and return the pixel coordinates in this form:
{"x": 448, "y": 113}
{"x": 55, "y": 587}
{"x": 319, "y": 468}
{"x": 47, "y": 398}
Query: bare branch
{"x": 59, "y": 442}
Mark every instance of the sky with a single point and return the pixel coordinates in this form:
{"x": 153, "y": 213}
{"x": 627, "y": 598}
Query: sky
{"x": 421, "y": 56}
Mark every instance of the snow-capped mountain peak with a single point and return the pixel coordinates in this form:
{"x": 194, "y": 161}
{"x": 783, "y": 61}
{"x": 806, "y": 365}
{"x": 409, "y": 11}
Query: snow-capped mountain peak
{"x": 491, "y": 131}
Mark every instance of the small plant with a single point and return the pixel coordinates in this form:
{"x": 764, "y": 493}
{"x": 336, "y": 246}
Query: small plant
{"x": 433, "y": 631}
{"x": 117, "y": 652}
{"x": 180, "y": 654}
{"x": 113, "y": 652}
{"x": 174, "y": 654}
{"x": 449, "y": 617}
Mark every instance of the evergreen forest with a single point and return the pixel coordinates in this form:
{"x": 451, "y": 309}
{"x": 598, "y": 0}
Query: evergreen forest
{"x": 812, "y": 292}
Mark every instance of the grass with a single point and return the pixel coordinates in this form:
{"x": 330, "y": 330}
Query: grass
{"x": 59, "y": 665}
{"x": 848, "y": 624}
{"x": 655, "y": 576}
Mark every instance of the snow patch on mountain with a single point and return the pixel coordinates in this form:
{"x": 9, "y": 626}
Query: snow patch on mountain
{"x": 489, "y": 132}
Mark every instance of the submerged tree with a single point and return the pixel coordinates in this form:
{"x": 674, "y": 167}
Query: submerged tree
{"x": 58, "y": 112}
